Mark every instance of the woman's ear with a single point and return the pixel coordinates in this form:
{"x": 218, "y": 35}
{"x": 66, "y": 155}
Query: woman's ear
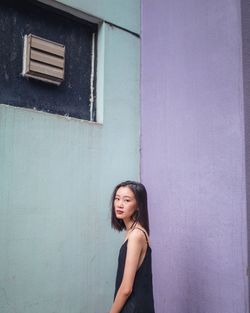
{"x": 136, "y": 215}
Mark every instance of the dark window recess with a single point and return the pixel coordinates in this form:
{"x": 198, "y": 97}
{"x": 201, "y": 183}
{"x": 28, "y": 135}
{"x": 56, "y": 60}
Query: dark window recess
{"x": 75, "y": 96}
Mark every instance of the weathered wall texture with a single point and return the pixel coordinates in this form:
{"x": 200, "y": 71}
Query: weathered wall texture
{"x": 193, "y": 154}
{"x": 58, "y": 253}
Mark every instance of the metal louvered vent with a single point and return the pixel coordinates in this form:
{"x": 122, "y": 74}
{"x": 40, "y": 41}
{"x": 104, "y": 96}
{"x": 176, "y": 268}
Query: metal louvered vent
{"x": 43, "y": 59}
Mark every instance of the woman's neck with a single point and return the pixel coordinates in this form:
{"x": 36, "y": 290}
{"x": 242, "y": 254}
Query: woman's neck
{"x": 129, "y": 224}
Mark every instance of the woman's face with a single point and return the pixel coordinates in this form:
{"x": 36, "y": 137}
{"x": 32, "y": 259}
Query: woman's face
{"x": 125, "y": 203}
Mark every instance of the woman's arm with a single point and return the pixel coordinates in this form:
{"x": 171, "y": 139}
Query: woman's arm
{"x": 134, "y": 249}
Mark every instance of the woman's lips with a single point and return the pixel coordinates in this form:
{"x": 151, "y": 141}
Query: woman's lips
{"x": 119, "y": 212}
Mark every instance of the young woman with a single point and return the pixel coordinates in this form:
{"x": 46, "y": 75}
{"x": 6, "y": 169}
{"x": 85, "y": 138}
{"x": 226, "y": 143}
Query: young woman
{"x": 133, "y": 288}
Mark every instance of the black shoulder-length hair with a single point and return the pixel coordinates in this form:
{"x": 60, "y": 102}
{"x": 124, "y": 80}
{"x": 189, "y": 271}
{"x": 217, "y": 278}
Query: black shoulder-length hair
{"x": 141, "y": 215}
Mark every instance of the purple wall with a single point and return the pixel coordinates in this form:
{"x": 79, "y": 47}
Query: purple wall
{"x": 193, "y": 160}
{"x": 245, "y": 9}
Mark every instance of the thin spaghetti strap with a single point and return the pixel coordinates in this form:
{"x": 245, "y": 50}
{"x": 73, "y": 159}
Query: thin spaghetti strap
{"x": 144, "y": 234}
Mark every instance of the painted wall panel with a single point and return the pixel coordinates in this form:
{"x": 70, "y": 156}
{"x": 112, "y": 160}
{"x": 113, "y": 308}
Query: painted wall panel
{"x": 245, "y": 9}
{"x": 58, "y": 253}
{"x": 125, "y": 14}
{"x": 193, "y": 154}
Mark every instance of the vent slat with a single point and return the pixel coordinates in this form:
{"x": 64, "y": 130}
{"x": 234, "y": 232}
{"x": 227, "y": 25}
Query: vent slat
{"x": 48, "y": 46}
{"x": 43, "y": 59}
{"x": 47, "y": 58}
{"x": 46, "y": 69}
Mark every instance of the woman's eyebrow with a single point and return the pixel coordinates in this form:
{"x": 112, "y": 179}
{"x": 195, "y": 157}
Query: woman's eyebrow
{"x": 129, "y": 197}
{"x": 124, "y": 196}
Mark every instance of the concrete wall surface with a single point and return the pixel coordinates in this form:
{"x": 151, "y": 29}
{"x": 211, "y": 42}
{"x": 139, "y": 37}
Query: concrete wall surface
{"x": 193, "y": 161}
{"x": 125, "y": 14}
{"x": 58, "y": 253}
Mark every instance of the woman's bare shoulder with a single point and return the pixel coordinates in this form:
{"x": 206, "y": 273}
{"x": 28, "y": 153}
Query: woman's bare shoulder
{"x": 136, "y": 236}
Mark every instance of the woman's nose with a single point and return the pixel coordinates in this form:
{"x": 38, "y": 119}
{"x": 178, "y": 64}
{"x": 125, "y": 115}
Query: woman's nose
{"x": 120, "y": 203}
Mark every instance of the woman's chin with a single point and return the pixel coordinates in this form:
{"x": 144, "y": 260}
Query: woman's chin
{"x": 119, "y": 217}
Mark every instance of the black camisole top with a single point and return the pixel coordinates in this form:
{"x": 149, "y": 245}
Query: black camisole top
{"x": 141, "y": 299}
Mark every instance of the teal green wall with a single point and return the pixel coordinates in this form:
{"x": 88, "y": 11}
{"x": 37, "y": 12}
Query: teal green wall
{"x": 58, "y": 253}
{"x": 124, "y": 13}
